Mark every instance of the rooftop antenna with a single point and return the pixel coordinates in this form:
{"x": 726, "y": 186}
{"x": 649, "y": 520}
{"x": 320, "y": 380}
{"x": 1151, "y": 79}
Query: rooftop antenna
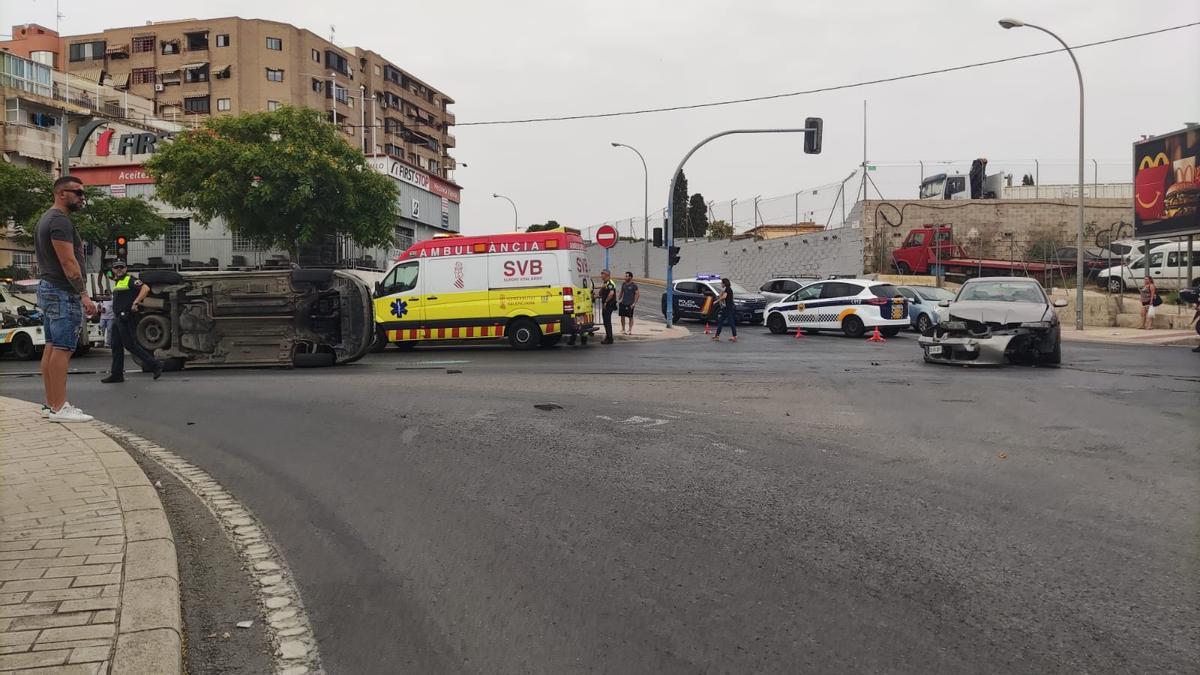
{"x": 332, "y": 32}
{"x": 58, "y": 17}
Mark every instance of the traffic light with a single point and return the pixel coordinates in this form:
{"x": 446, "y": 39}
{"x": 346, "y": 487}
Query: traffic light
{"x": 673, "y": 256}
{"x": 658, "y": 237}
{"x": 812, "y": 135}
{"x": 122, "y": 248}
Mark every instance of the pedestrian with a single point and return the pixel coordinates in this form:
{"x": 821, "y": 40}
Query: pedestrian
{"x": 608, "y": 303}
{"x": 106, "y": 318}
{"x": 629, "y": 299}
{"x": 128, "y": 294}
{"x": 1149, "y": 298}
{"x": 61, "y": 295}
{"x": 726, "y": 310}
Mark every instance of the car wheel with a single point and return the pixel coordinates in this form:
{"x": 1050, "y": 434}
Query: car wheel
{"x": 22, "y": 347}
{"x": 523, "y": 334}
{"x": 853, "y": 327}
{"x": 924, "y": 324}
{"x": 154, "y": 332}
{"x": 903, "y": 268}
{"x": 550, "y": 340}
{"x": 1116, "y": 285}
{"x": 1054, "y": 358}
{"x": 890, "y": 331}
{"x": 776, "y": 324}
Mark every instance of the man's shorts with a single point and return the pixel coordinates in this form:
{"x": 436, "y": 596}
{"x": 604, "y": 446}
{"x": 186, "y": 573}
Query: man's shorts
{"x": 625, "y": 310}
{"x": 62, "y": 316}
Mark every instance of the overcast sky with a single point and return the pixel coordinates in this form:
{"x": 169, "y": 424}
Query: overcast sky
{"x": 533, "y": 58}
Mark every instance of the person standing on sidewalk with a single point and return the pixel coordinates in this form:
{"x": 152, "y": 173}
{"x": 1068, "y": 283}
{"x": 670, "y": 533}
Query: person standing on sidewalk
{"x": 128, "y": 294}
{"x": 727, "y": 311}
{"x": 61, "y": 295}
{"x": 608, "y": 303}
{"x": 629, "y": 299}
{"x": 1149, "y": 294}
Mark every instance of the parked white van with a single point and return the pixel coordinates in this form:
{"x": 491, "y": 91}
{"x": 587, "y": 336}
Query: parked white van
{"x": 1168, "y": 267}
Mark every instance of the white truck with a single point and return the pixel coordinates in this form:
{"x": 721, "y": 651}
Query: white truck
{"x": 21, "y": 331}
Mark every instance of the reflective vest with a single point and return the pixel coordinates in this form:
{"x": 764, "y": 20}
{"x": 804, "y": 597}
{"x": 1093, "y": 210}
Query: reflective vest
{"x": 122, "y": 283}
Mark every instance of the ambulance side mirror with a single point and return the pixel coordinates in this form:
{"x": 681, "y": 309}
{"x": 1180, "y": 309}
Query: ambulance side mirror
{"x": 378, "y": 288}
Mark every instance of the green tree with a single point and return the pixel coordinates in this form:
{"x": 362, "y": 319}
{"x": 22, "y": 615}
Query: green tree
{"x": 106, "y": 218}
{"x": 24, "y": 195}
{"x": 283, "y": 179}
{"x": 679, "y": 207}
{"x": 548, "y": 225}
{"x": 697, "y": 216}
{"x": 719, "y": 229}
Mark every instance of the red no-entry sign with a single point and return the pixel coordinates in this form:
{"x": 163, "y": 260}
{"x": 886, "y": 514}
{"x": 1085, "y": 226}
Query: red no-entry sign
{"x": 606, "y": 236}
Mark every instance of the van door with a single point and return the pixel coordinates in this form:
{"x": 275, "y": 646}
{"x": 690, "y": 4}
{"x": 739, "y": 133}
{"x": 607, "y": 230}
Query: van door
{"x": 520, "y": 285}
{"x": 580, "y": 276}
{"x": 455, "y": 294}
{"x": 399, "y": 305}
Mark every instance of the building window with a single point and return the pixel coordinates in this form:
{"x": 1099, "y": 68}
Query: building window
{"x": 378, "y": 70}
{"x": 87, "y": 51}
{"x": 142, "y": 44}
{"x": 341, "y": 94}
{"x": 317, "y": 85}
{"x": 196, "y": 105}
{"x": 275, "y": 75}
{"x": 22, "y": 259}
{"x": 223, "y": 105}
{"x": 272, "y": 105}
{"x": 337, "y": 62}
{"x": 196, "y": 74}
{"x": 404, "y": 237}
{"x": 223, "y": 40}
{"x": 243, "y": 243}
{"x": 197, "y": 42}
{"x": 142, "y": 76}
{"x": 316, "y": 56}
{"x": 275, "y": 44}
{"x": 170, "y": 47}
{"x": 178, "y": 240}
{"x": 433, "y": 165}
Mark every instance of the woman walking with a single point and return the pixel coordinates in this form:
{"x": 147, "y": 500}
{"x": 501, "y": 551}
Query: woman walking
{"x": 1149, "y": 293}
{"x": 727, "y": 311}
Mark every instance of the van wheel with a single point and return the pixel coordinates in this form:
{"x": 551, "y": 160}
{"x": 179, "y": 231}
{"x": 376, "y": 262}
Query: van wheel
{"x": 523, "y": 334}
{"x": 853, "y": 327}
{"x": 1116, "y": 285}
{"x": 776, "y": 324}
{"x": 22, "y": 346}
{"x": 154, "y": 332}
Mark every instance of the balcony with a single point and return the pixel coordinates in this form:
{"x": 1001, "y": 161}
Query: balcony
{"x": 449, "y": 141}
{"x": 449, "y": 117}
{"x": 33, "y": 142}
{"x": 117, "y": 51}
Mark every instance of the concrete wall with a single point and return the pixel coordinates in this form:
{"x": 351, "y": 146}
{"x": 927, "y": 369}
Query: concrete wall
{"x": 747, "y": 261}
{"x": 979, "y": 225}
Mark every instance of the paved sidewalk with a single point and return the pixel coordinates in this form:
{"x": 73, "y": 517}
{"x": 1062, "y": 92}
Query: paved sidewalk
{"x": 89, "y": 581}
{"x": 1131, "y": 336}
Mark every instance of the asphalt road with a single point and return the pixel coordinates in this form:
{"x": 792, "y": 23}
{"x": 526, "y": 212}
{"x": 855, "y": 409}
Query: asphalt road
{"x": 775, "y": 505}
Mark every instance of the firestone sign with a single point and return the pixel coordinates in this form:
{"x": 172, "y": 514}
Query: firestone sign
{"x": 135, "y": 143}
{"x": 403, "y": 172}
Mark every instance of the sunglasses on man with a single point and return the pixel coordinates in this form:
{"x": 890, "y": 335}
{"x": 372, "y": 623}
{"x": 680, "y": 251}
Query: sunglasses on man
{"x": 77, "y": 193}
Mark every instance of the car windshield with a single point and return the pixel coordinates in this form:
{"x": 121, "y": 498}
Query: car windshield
{"x": 933, "y": 293}
{"x": 1001, "y": 291}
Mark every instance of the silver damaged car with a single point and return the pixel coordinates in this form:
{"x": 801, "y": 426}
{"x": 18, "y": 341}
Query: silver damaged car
{"x": 996, "y": 320}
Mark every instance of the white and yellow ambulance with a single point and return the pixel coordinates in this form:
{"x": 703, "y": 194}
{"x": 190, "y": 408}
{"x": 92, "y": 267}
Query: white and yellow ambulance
{"x": 531, "y": 288}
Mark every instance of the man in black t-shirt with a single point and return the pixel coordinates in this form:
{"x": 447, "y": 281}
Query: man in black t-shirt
{"x": 128, "y": 294}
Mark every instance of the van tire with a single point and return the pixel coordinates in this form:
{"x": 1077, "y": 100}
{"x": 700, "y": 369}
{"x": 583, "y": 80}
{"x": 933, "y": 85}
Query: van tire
{"x": 853, "y": 327}
{"x": 380, "y": 342}
{"x": 22, "y": 347}
{"x": 153, "y": 332}
{"x": 523, "y": 334}
{"x": 1116, "y": 284}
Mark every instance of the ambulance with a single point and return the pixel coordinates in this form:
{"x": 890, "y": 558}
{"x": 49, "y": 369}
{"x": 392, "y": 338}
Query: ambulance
{"x": 530, "y": 288}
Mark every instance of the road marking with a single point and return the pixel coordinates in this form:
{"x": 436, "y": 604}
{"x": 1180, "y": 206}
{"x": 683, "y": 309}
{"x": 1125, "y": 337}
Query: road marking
{"x": 637, "y": 420}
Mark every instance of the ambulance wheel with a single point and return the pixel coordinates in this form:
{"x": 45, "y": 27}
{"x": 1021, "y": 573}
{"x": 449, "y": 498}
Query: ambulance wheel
{"x": 380, "y": 343}
{"x": 776, "y": 324}
{"x": 551, "y": 340}
{"x": 853, "y": 327}
{"x": 890, "y": 331}
{"x": 524, "y": 334}
{"x": 22, "y": 347}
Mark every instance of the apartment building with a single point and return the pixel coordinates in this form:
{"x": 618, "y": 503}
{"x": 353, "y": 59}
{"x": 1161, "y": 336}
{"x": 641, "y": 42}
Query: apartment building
{"x": 198, "y": 67}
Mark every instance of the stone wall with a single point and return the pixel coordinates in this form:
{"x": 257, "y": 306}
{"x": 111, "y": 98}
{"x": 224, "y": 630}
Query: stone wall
{"x": 981, "y": 225}
{"x": 750, "y": 262}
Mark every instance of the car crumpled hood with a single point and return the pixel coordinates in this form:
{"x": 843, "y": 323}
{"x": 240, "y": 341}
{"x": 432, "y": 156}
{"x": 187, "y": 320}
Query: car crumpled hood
{"x": 998, "y": 312}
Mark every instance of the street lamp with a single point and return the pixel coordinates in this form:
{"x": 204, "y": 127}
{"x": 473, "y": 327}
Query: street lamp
{"x": 516, "y": 228}
{"x": 645, "y": 211}
{"x": 1014, "y": 23}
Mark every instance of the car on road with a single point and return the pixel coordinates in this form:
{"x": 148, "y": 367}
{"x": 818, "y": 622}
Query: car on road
{"x": 996, "y": 320}
{"x": 1168, "y": 266}
{"x": 689, "y": 296}
{"x": 923, "y": 305}
{"x": 780, "y": 287}
{"x": 848, "y": 305}
{"x": 289, "y": 317}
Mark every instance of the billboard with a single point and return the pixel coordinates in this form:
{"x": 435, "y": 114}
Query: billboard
{"x": 1166, "y": 187}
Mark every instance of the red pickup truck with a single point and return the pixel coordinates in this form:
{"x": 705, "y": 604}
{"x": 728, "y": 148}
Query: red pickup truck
{"x": 919, "y": 254}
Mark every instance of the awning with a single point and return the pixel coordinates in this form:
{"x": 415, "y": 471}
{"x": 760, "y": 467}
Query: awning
{"x": 193, "y": 66}
{"x": 120, "y": 81}
{"x": 91, "y": 75}
{"x": 164, "y": 73}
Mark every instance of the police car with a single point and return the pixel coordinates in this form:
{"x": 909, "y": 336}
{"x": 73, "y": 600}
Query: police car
{"x": 691, "y": 293}
{"x": 850, "y": 305}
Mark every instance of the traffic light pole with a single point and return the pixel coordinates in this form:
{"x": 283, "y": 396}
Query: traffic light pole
{"x": 670, "y": 238}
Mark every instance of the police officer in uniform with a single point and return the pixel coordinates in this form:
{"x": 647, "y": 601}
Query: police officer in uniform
{"x": 127, "y": 296}
{"x": 608, "y": 304}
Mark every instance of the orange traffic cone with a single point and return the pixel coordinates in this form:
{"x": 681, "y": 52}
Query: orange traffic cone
{"x": 706, "y": 331}
{"x": 876, "y": 337}
{"x": 799, "y": 333}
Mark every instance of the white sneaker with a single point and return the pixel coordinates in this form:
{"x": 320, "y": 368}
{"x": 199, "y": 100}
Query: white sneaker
{"x": 69, "y": 413}
{"x": 45, "y": 411}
